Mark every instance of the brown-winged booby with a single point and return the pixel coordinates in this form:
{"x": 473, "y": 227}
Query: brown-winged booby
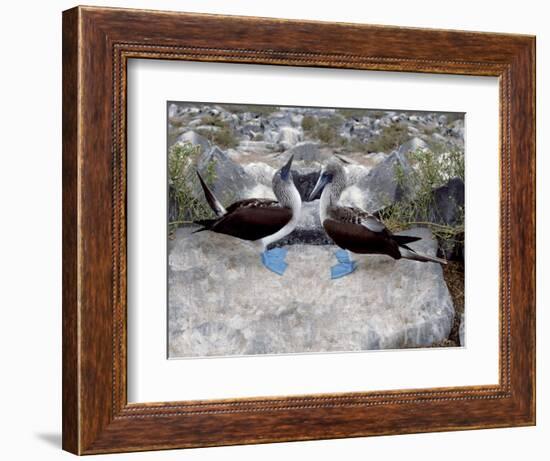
{"x": 262, "y": 221}
{"x": 354, "y": 229}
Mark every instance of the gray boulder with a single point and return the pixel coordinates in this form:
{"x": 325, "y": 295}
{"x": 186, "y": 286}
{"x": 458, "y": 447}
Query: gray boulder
{"x": 457, "y": 128}
{"x": 412, "y": 145}
{"x": 254, "y": 126}
{"x": 360, "y": 130}
{"x": 439, "y": 138}
{"x": 222, "y": 301}
{"x": 195, "y": 139}
{"x": 280, "y": 119}
{"x": 289, "y": 137}
{"x": 230, "y": 178}
{"x": 380, "y": 187}
{"x": 174, "y": 110}
{"x": 308, "y": 152}
{"x": 255, "y": 146}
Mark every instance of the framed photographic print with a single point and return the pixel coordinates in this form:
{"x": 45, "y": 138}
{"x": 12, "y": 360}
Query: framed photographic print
{"x": 284, "y": 230}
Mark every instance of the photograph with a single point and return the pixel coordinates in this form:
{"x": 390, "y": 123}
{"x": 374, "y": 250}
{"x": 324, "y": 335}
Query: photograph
{"x": 295, "y": 230}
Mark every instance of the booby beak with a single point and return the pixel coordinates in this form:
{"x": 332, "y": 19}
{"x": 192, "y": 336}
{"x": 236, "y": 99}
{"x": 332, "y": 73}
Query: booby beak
{"x": 321, "y": 183}
{"x": 285, "y": 170}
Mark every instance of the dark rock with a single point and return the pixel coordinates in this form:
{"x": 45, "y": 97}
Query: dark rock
{"x": 305, "y": 180}
{"x": 448, "y": 209}
{"x": 448, "y": 203}
{"x": 305, "y": 236}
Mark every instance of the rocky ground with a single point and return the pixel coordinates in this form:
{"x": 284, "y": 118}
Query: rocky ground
{"x": 239, "y": 148}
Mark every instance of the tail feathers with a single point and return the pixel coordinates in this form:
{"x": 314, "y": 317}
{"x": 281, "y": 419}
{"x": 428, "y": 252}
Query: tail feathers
{"x": 202, "y": 229}
{"x": 206, "y": 223}
{"x": 407, "y": 253}
{"x": 402, "y": 239}
{"x": 214, "y": 203}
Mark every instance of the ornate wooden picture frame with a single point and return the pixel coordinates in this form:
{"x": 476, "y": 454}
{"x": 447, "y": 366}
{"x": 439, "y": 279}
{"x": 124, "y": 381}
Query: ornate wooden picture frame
{"x": 97, "y": 44}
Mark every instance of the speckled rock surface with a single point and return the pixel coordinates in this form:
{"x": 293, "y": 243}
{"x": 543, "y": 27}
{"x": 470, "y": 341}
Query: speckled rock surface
{"x": 461, "y": 331}
{"x": 222, "y": 301}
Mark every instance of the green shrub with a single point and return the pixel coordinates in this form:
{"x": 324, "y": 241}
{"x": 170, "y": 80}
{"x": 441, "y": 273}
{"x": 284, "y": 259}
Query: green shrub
{"x": 429, "y": 171}
{"x": 183, "y": 181}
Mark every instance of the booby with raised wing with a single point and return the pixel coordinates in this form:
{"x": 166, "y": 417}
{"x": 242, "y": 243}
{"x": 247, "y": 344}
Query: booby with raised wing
{"x": 354, "y": 229}
{"x": 262, "y": 221}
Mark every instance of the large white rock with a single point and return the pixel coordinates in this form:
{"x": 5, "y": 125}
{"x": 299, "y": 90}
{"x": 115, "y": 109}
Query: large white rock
{"x": 222, "y": 301}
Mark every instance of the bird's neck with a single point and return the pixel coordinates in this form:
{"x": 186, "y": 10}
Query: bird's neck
{"x": 329, "y": 198}
{"x": 289, "y": 197}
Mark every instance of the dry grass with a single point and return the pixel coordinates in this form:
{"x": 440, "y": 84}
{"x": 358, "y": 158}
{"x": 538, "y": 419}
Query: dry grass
{"x": 323, "y": 129}
{"x": 182, "y": 181}
{"x": 453, "y": 273}
{"x": 389, "y": 139}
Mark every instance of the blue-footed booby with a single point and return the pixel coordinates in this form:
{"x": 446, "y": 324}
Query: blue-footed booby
{"x": 262, "y": 221}
{"x": 354, "y": 229}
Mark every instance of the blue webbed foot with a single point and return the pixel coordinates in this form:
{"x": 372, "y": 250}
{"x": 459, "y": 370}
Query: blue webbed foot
{"x": 274, "y": 260}
{"x": 344, "y": 267}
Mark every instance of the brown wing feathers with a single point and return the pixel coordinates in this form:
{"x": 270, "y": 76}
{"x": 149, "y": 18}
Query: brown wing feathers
{"x": 249, "y": 219}
{"x": 359, "y": 239}
{"x": 361, "y": 232}
{"x": 252, "y": 222}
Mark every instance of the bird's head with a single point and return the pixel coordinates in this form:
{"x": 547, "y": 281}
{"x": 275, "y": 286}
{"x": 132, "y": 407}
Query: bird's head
{"x": 331, "y": 171}
{"x": 284, "y": 172}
